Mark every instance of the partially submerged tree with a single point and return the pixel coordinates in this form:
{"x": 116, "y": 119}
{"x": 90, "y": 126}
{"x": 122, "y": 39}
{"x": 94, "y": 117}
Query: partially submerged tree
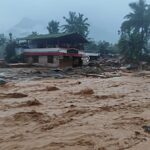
{"x": 76, "y": 23}
{"x": 135, "y": 32}
{"x": 53, "y": 27}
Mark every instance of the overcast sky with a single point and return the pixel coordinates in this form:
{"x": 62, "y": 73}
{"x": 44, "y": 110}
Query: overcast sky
{"x": 105, "y": 16}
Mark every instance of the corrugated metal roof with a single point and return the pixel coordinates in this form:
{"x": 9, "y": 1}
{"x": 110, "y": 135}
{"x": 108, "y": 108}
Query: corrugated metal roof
{"x": 52, "y": 36}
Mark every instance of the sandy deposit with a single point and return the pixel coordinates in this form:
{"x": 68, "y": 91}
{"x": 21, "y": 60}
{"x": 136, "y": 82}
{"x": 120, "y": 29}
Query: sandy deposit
{"x": 70, "y": 114}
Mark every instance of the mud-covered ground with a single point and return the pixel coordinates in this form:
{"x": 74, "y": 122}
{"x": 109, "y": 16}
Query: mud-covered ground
{"x": 71, "y": 114}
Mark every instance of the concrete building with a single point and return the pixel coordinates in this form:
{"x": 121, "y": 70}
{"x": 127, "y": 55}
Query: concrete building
{"x": 54, "y": 50}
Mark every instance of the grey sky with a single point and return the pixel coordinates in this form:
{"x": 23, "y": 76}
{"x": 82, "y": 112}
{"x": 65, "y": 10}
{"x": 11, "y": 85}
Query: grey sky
{"x": 105, "y": 16}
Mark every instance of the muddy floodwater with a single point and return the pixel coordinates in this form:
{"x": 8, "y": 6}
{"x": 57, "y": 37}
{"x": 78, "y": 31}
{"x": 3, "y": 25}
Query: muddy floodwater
{"x": 76, "y": 114}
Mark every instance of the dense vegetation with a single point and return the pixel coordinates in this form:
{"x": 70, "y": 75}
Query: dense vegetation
{"x": 74, "y": 23}
{"x": 102, "y": 47}
{"x": 135, "y": 33}
{"x": 133, "y": 44}
{"x": 53, "y": 27}
{"x": 79, "y": 23}
{"x": 7, "y": 50}
{"x": 2, "y": 45}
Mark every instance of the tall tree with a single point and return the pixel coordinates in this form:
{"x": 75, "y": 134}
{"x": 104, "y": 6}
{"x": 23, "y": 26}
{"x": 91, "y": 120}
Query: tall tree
{"x": 103, "y": 47}
{"x": 135, "y": 31}
{"x": 130, "y": 47}
{"x": 34, "y": 33}
{"x": 76, "y": 23}
{"x": 53, "y": 27}
{"x": 10, "y": 52}
{"x": 91, "y": 46}
{"x": 2, "y": 39}
{"x": 10, "y": 36}
{"x": 2, "y": 45}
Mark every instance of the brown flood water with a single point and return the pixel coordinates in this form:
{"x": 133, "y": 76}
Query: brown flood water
{"x": 69, "y": 114}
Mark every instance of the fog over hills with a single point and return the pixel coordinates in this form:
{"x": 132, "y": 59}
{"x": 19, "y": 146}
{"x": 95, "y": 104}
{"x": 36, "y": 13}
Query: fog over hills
{"x": 26, "y": 26}
{"x": 21, "y": 17}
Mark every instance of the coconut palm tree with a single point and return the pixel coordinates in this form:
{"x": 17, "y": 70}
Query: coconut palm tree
{"x": 138, "y": 20}
{"x": 135, "y": 30}
{"x": 53, "y": 27}
{"x": 76, "y": 23}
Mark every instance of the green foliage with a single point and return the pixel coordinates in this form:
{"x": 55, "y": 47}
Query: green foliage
{"x": 2, "y": 40}
{"x": 135, "y": 32}
{"x": 10, "y": 53}
{"x": 19, "y": 58}
{"x": 102, "y": 47}
{"x": 53, "y": 27}
{"x": 2, "y": 48}
{"x": 131, "y": 47}
{"x": 138, "y": 20}
{"x": 10, "y": 36}
{"x": 76, "y": 23}
{"x": 2, "y": 45}
{"x": 92, "y": 46}
{"x": 34, "y": 33}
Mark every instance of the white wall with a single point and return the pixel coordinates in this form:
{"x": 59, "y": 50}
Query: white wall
{"x": 29, "y": 60}
{"x": 56, "y": 61}
{"x": 43, "y": 61}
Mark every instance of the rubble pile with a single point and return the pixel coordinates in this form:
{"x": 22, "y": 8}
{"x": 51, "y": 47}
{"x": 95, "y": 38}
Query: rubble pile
{"x": 19, "y": 74}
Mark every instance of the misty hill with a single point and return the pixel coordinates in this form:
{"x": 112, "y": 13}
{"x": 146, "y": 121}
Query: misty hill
{"x": 26, "y": 26}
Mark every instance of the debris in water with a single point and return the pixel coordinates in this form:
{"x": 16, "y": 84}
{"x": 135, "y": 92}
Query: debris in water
{"x": 13, "y": 95}
{"x": 146, "y": 129}
{"x": 52, "y": 88}
{"x": 31, "y": 116}
{"x": 34, "y": 102}
{"x": 85, "y": 92}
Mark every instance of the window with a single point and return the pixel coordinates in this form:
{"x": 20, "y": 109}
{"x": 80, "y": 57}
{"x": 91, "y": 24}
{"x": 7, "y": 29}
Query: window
{"x": 50, "y": 59}
{"x": 35, "y": 59}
